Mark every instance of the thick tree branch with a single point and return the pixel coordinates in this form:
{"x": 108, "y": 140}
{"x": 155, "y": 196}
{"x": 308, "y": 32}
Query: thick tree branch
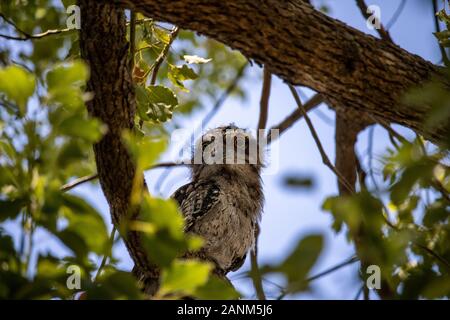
{"x": 303, "y": 46}
{"x": 347, "y": 130}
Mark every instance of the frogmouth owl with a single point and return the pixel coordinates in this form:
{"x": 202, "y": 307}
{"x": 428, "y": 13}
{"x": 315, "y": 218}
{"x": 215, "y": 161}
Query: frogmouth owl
{"x": 223, "y": 203}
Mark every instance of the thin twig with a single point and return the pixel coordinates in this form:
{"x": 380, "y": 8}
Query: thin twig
{"x": 361, "y": 173}
{"x": 434, "y": 254}
{"x": 384, "y": 34}
{"x": 107, "y": 255}
{"x": 438, "y": 29}
{"x": 360, "y": 290}
{"x": 79, "y": 181}
{"x": 396, "y": 15}
{"x": 371, "y": 172}
{"x": 132, "y": 39}
{"x": 296, "y": 115}
{"x": 262, "y": 122}
{"x": 390, "y": 130}
{"x": 326, "y": 161}
{"x": 159, "y": 61}
{"x": 349, "y": 261}
{"x": 25, "y": 35}
{"x": 419, "y": 245}
{"x": 326, "y": 272}
{"x": 255, "y": 273}
{"x": 434, "y": 182}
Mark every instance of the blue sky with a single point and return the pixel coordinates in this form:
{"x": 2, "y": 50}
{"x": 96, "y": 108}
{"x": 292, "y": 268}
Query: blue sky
{"x": 290, "y": 215}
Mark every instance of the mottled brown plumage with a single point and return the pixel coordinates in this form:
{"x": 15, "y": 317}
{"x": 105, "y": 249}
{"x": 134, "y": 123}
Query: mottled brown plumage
{"x": 224, "y": 200}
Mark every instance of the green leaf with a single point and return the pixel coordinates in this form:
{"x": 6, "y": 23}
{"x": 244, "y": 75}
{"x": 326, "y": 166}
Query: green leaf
{"x": 18, "y": 85}
{"x": 184, "y": 277}
{"x": 299, "y": 263}
{"x": 216, "y": 289}
{"x": 86, "y": 222}
{"x": 74, "y": 242}
{"x": 162, "y": 226}
{"x": 78, "y": 126}
{"x": 66, "y": 75}
{"x": 438, "y": 288}
{"x": 10, "y": 209}
{"x": 65, "y": 82}
{"x": 356, "y": 210}
{"x": 71, "y": 152}
{"x": 161, "y": 35}
{"x": 145, "y": 150}
{"x": 179, "y": 74}
{"x": 437, "y": 212}
{"x": 6, "y": 243}
{"x": 117, "y": 285}
{"x": 155, "y": 103}
{"x": 295, "y": 181}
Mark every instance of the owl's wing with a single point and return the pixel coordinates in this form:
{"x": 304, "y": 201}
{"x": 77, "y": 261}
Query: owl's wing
{"x": 196, "y": 200}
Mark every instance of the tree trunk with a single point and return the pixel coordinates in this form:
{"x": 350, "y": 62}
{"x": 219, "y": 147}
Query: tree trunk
{"x": 105, "y": 47}
{"x": 303, "y": 46}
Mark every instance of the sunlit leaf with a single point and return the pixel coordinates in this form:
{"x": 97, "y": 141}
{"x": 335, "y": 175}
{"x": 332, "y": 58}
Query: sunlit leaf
{"x": 18, "y": 85}
{"x": 155, "y": 103}
{"x": 144, "y": 149}
{"x": 216, "y": 289}
{"x": 184, "y": 277}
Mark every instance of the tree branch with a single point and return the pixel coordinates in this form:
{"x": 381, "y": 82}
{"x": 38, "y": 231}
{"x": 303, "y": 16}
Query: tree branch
{"x": 264, "y": 103}
{"x": 324, "y": 273}
{"x": 348, "y": 67}
{"x": 384, "y": 34}
{"x": 326, "y": 161}
{"x": 159, "y": 61}
{"x": 262, "y": 122}
{"x": 255, "y": 273}
{"x": 26, "y": 36}
{"x": 79, "y": 181}
{"x": 296, "y": 115}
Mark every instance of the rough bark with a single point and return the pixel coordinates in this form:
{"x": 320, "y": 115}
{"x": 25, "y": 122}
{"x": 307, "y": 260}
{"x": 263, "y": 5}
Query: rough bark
{"x": 305, "y": 47}
{"x": 104, "y": 46}
{"x": 346, "y": 136}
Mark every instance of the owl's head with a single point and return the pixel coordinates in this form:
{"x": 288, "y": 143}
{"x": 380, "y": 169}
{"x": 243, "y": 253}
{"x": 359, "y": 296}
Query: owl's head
{"x": 227, "y": 148}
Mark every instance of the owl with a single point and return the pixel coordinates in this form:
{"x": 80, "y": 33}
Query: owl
{"x": 224, "y": 201}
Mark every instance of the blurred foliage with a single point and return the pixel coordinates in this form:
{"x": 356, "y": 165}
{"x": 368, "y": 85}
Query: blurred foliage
{"x": 404, "y": 230}
{"x": 298, "y": 181}
{"x": 298, "y": 264}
